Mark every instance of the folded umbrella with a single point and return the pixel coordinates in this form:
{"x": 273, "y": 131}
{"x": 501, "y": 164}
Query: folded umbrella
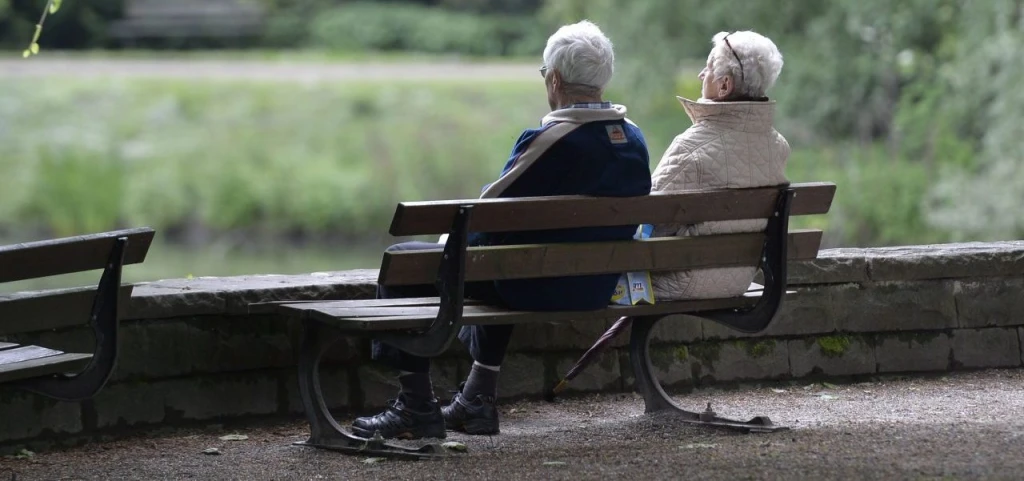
{"x": 589, "y": 356}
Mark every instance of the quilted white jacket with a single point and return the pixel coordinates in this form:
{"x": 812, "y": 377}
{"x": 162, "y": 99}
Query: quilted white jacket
{"x": 730, "y": 145}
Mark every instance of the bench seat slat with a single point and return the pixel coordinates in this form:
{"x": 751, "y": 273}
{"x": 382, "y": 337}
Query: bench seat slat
{"x": 25, "y": 353}
{"x": 7, "y": 345}
{"x": 31, "y": 260}
{"x": 525, "y": 213}
{"x": 42, "y": 366}
{"x": 272, "y": 307}
{"x": 569, "y": 259}
{"x": 346, "y": 318}
{"x": 51, "y": 309}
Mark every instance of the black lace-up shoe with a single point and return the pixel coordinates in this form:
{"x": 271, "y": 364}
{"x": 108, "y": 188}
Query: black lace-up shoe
{"x": 471, "y": 416}
{"x": 403, "y": 420}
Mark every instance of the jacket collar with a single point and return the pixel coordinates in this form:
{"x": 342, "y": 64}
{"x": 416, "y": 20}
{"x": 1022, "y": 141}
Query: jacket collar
{"x": 743, "y": 116}
{"x": 584, "y": 115}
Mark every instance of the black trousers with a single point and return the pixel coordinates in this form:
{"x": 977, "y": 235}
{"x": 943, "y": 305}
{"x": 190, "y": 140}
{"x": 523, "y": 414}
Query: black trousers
{"x": 486, "y": 344}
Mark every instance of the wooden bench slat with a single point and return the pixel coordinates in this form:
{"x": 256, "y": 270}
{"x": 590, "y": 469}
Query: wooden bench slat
{"x": 568, "y": 259}
{"x": 493, "y": 315}
{"x": 32, "y": 260}
{"x": 272, "y": 307}
{"x": 520, "y": 214}
{"x": 60, "y": 363}
{"x": 52, "y": 309}
{"x": 26, "y": 353}
{"x": 7, "y": 345}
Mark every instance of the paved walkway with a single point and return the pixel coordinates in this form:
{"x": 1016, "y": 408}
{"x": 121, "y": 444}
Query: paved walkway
{"x": 210, "y": 69}
{"x": 961, "y": 426}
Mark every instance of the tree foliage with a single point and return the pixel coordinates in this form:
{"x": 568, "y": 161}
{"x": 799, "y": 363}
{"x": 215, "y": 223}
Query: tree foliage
{"x": 933, "y": 81}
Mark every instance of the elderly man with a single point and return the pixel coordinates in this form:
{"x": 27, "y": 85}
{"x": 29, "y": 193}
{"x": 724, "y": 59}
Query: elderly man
{"x": 585, "y": 146}
{"x": 732, "y": 144}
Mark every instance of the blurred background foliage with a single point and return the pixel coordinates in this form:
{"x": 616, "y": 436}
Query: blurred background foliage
{"x": 911, "y": 107}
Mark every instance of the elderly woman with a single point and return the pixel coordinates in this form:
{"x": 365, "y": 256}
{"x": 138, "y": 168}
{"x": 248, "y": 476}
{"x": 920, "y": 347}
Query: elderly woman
{"x": 731, "y": 145}
{"x": 585, "y": 146}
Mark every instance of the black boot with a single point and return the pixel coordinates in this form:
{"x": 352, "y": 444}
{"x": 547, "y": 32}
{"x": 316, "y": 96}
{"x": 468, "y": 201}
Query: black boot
{"x": 403, "y": 419}
{"x": 471, "y": 416}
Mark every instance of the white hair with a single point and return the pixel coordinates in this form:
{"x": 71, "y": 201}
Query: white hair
{"x": 762, "y": 61}
{"x": 581, "y": 54}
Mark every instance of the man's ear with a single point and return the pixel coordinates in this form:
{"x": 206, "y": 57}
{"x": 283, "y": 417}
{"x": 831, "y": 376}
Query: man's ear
{"x": 556, "y": 79}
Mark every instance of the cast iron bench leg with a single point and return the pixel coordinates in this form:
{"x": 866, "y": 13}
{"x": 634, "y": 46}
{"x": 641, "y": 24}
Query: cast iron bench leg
{"x": 325, "y": 432}
{"x": 656, "y": 399}
{"x": 754, "y": 319}
{"x": 103, "y": 321}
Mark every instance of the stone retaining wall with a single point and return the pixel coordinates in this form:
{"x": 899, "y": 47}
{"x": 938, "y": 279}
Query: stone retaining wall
{"x": 190, "y": 352}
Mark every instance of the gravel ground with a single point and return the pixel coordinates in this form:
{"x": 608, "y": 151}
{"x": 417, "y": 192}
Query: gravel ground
{"x": 960, "y": 426}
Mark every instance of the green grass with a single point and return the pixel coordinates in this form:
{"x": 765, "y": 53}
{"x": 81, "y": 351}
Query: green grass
{"x": 87, "y": 155}
{"x": 273, "y": 162}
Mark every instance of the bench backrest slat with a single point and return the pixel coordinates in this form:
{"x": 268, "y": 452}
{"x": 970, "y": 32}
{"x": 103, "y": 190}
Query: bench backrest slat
{"x": 32, "y": 260}
{"x": 522, "y": 214}
{"x": 45, "y": 310}
{"x": 554, "y": 260}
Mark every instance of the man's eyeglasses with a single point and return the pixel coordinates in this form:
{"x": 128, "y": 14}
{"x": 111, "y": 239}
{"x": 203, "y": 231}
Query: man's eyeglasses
{"x": 544, "y": 71}
{"x": 737, "y": 57}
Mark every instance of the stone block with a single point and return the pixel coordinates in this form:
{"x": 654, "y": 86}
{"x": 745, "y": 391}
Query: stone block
{"x": 1020, "y": 339}
{"x": 673, "y": 330}
{"x": 833, "y": 266}
{"x": 673, "y": 365}
{"x": 838, "y": 355}
{"x": 24, "y": 415}
{"x": 604, "y": 374}
{"x": 200, "y": 398}
{"x": 989, "y": 302}
{"x": 166, "y": 348}
{"x": 913, "y": 352}
{"x": 993, "y": 347}
{"x": 334, "y": 382}
{"x": 203, "y": 296}
{"x": 377, "y": 383}
{"x": 522, "y": 375}
{"x": 626, "y": 370}
{"x": 557, "y": 336}
{"x": 739, "y": 360}
{"x": 946, "y": 261}
{"x": 809, "y": 311}
{"x": 131, "y": 404}
{"x": 895, "y": 306}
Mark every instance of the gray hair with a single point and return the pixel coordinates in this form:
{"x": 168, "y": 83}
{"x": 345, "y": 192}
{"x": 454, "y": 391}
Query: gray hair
{"x": 761, "y": 61}
{"x": 582, "y": 54}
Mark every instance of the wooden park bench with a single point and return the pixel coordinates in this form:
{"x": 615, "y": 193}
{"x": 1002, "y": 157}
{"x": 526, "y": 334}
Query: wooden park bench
{"x": 426, "y": 327}
{"x": 186, "y": 19}
{"x": 66, "y": 376}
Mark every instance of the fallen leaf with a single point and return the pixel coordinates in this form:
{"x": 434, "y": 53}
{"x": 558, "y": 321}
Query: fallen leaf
{"x": 778, "y": 391}
{"x": 211, "y": 451}
{"x": 828, "y": 385}
{"x": 808, "y": 387}
{"x": 826, "y": 397}
{"x": 699, "y": 446}
{"x": 24, "y": 454}
{"x": 234, "y": 437}
{"x": 373, "y": 460}
{"x": 455, "y": 446}
{"x": 554, "y": 463}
